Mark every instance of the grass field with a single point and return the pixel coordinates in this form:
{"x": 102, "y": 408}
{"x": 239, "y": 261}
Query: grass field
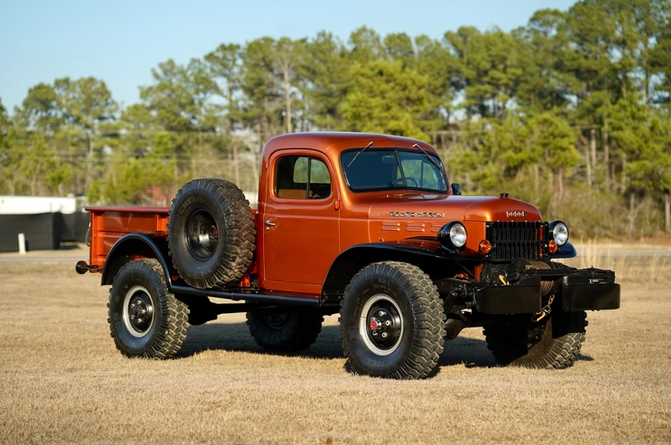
{"x": 61, "y": 380}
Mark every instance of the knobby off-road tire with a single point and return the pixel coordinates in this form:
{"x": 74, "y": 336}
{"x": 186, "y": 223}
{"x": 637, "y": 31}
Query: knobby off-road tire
{"x": 554, "y": 344}
{"x": 211, "y": 233}
{"x": 145, "y": 319}
{"x": 285, "y": 329}
{"x": 392, "y": 322}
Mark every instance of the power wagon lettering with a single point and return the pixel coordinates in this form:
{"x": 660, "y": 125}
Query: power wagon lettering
{"x": 416, "y": 215}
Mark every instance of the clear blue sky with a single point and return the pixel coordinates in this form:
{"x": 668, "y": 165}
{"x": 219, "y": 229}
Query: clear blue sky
{"x": 120, "y": 41}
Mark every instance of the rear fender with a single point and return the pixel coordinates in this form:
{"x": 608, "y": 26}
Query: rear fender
{"x": 135, "y": 245}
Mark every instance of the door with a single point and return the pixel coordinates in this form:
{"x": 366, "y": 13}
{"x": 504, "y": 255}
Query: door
{"x": 301, "y": 223}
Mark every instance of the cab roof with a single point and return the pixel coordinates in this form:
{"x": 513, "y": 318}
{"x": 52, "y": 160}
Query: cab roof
{"x": 325, "y": 140}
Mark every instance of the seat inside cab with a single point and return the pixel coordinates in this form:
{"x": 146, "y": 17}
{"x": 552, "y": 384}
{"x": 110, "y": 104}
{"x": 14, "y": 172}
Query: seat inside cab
{"x": 302, "y": 177}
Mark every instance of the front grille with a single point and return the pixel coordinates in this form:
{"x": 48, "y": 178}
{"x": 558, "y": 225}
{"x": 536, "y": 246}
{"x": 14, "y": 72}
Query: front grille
{"x": 516, "y": 239}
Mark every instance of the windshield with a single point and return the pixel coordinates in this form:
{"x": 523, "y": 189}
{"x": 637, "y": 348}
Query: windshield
{"x": 392, "y": 169}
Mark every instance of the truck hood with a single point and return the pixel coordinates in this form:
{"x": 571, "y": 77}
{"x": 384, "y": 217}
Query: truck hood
{"x": 452, "y": 208}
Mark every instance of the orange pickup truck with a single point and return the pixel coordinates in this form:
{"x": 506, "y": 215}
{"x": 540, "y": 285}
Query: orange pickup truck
{"x": 366, "y": 225}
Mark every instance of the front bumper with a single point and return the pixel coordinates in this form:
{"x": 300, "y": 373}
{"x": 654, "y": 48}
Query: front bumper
{"x": 577, "y": 289}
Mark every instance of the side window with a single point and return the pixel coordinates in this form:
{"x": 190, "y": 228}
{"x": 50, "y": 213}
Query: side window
{"x": 302, "y": 177}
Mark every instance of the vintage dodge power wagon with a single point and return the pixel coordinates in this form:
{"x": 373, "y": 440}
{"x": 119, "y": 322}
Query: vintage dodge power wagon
{"x": 366, "y": 225}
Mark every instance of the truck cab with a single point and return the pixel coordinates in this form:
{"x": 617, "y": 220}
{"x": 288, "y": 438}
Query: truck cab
{"x": 320, "y": 194}
{"x": 366, "y": 225}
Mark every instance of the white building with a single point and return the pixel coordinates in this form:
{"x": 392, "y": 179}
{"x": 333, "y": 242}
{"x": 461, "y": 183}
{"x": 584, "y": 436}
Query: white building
{"x": 28, "y": 205}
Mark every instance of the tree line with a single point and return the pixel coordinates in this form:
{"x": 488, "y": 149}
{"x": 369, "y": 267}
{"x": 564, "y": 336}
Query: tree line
{"x": 570, "y": 112}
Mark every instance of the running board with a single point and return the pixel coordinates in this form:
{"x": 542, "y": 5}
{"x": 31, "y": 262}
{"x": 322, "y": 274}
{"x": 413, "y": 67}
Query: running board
{"x": 251, "y": 296}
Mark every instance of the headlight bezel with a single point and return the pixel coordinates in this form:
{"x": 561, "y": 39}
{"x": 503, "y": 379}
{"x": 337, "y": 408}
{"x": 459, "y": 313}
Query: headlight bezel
{"x": 558, "y": 233}
{"x": 450, "y": 231}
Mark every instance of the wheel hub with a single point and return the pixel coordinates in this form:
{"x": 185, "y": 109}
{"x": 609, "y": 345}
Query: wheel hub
{"x": 141, "y": 313}
{"x": 381, "y": 324}
{"x": 277, "y": 319}
{"x": 384, "y": 324}
{"x": 202, "y": 235}
{"x": 138, "y": 311}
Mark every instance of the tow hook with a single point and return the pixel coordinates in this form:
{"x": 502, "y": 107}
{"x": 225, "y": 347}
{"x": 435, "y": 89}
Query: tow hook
{"x": 538, "y": 316}
{"x": 503, "y": 278}
{"x": 545, "y": 311}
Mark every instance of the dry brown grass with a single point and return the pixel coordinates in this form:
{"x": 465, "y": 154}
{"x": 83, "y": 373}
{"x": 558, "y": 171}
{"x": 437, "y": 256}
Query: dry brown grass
{"x": 655, "y": 267}
{"x": 61, "y": 380}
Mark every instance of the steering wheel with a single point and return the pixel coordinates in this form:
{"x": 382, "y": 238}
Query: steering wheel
{"x": 399, "y": 181}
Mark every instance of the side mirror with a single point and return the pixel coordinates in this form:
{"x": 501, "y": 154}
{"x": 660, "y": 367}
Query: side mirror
{"x": 456, "y": 189}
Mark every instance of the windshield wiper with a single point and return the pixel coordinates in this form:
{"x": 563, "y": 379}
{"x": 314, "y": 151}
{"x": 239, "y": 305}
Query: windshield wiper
{"x": 430, "y": 158}
{"x": 358, "y": 153}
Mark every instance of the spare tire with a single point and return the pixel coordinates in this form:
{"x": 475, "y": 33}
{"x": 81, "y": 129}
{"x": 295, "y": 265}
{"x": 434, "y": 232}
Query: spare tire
{"x": 211, "y": 233}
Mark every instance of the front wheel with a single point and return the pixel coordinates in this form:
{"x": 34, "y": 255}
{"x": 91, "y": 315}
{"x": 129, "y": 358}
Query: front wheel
{"x": 145, "y": 319}
{"x": 392, "y": 322}
{"x": 554, "y": 343}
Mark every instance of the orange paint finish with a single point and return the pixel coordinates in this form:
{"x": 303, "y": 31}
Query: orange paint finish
{"x": 299, "y": 238}
{"x": 108, "y": 224}
{"x": 476, "y": 231}
{"x": 296, "y": 253}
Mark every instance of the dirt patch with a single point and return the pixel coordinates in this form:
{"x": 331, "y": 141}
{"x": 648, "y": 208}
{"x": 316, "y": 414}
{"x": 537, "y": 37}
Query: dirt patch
{"x": 61, "y": 380}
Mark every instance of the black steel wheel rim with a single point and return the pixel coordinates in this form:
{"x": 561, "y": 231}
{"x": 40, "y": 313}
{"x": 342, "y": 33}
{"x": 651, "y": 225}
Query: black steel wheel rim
{"x": 381, "y": 324}
{"x": 138, "y": 311}
{"x": 202, "y": 234}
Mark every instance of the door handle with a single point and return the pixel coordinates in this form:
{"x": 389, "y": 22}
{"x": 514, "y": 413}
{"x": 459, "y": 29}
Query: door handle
{"x": 269, "y": 224}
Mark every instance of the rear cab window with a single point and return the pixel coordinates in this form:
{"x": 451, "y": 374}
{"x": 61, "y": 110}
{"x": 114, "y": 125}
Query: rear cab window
{"x": 301, "y": 177}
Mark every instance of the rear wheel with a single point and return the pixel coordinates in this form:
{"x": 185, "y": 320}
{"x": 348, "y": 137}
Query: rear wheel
{"x": 554, "y": 343}
{"x": 145, "y": 319}
{"x": 285, "y": 329}
{"x": 392, "y": 322}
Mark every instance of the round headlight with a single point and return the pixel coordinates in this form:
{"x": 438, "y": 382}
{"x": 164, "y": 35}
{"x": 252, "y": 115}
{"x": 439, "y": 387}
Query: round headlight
{"x": 458, "y": 235}
{"x": 559, "y": 232}
{"x": 453, "y": 235}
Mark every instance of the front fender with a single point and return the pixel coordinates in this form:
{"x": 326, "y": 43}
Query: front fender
{"x": 132, "y": 246}
{"x": 429, "y": 256}
{"x": 565, "y": 251}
